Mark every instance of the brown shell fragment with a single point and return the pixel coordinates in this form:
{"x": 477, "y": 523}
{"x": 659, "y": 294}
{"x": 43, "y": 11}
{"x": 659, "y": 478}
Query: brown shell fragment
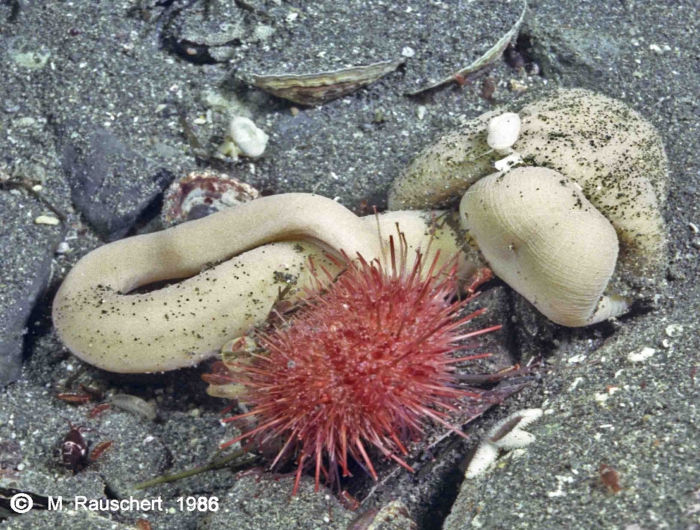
{"x": 202, "y": 193}
{"x": 319, "y": 88}
{"x": 468, "y": 73}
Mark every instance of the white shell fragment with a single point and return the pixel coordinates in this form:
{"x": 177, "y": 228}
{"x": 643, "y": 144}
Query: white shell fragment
{"x": 250, "y": 141}
{"x": 46, "y": 220}
{"x": 505, "y": 435}
{"x": 640, "y": 357}
{"x": 540, "y": 235}
{"x": 485, "y": 455}
{"x": 505, "y": 164}
{"x": 503, "y": 131}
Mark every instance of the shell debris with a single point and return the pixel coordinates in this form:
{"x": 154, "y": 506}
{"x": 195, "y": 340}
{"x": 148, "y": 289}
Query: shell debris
{"x": 201, "y": 193}
{"x": 503, "y": 131}
{"x": 640, "y": 357}
{"x": 46, "y": 220}
{"x": 319, "y": 88}
{"x": 505, "y": 435}
{"x": 487, "y": 59}
{"x": 135, "y": 405}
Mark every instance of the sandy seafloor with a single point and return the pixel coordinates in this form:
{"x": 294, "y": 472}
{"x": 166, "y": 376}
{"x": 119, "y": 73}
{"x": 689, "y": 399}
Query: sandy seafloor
{"x": 90, "y": 98}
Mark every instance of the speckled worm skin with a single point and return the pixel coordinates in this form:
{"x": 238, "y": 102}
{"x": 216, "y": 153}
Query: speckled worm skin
{"x": 610, "y": 150}
{"x": 602, "y": 147}
{"x": 235, "y": 263}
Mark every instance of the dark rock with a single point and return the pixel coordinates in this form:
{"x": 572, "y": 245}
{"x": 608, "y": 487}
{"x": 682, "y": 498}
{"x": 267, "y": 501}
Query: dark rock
{"x": 105, "y": 183}
{"x": 25, "y": 275}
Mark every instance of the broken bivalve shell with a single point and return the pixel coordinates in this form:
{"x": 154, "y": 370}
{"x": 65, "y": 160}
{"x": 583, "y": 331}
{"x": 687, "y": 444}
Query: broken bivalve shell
{"x": 319, "y": 88}
{"x": 540, "y": 234}
{"x": 202, "y": 193}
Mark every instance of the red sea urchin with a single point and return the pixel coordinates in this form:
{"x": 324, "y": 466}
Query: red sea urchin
{"x": 362, "y": 363}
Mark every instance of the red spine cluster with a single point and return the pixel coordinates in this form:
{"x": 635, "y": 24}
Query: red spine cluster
{"x": 362, "y": 364}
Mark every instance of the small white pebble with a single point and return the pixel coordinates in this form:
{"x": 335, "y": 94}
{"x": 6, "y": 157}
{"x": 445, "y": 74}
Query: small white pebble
{"x": 554, "y": 494}
{"x": 694, "y": 228}
{"x": 408, "y": 52}
{"x": 46, "y": 220}
{"x": 62, "y": 248}
{"x": 638, "y": 357}
{"x": 517, "y": 86}
{"x": 148, "y": 439}
{"x": 576, "y": 359}
{"x": 249, "y": 139}
{"x": 420, "y": 112}
{"x": 575, "y": 383}
{"x": 655, "y": 48}
{"x": 674, "y": 330}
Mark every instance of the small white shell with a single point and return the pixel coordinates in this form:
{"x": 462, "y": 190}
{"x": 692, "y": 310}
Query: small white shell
{"x": 503, "y": 131}
{"x": 46, "y": 220}
{"x": 249, "y": 139}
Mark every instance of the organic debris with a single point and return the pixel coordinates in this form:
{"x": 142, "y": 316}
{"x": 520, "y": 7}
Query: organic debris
{"x": 319, "y": 88}
{"x": 470, "y": 72}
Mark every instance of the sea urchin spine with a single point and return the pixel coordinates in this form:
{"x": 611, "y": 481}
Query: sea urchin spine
{"x": 362, "y": 363}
